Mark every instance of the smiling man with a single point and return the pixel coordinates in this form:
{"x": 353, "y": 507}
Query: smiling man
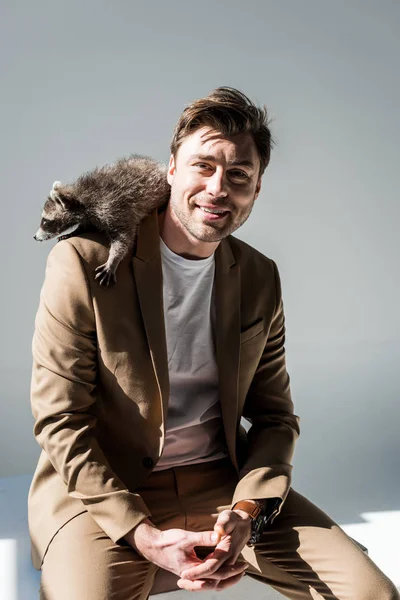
{"x": 138, "y": 393}
{"x": 213, "y": 190}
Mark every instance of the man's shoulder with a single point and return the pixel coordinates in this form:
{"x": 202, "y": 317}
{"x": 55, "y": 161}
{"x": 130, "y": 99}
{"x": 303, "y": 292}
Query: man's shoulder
{"x": 92, "y": 246}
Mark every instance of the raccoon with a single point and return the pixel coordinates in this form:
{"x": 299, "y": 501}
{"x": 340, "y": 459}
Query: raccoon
{"x": 112, "y": 199}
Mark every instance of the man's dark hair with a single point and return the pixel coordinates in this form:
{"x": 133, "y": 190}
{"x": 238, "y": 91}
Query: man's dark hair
{"x": 229, "y": 111}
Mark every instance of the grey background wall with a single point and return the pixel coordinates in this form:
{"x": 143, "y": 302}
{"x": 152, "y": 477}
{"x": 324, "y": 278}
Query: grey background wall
{"x": 85, "y": 83}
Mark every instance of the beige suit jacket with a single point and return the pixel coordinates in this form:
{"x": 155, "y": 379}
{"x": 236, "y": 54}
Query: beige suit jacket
{"x": 100, "y": 387}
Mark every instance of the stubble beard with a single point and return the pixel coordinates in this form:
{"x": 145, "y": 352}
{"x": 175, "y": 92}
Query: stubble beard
{"x": 207, "y": 231}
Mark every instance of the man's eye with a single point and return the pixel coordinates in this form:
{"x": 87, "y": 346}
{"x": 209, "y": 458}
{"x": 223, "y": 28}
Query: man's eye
{"x": 236, "y": 173}
{"x": 239, "y": 174}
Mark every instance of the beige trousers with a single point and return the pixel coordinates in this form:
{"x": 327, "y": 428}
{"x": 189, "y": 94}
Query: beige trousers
{"x": 303, "y": 554}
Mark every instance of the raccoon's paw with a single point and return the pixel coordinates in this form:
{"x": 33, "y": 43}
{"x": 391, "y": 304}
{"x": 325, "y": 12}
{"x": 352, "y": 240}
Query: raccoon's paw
{"x": 105, "y": 275}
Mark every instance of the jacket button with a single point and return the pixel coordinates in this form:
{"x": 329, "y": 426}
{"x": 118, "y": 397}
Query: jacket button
{"x": 148, "y": 462}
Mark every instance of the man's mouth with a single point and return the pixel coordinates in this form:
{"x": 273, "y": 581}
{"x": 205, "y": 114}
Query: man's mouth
{"x": 213, "y": 213}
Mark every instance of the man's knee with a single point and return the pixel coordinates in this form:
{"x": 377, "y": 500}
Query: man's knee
{"x": 381, "y": 588}
{"x": 389, "y": 592}
{"x": 82, "y": 562}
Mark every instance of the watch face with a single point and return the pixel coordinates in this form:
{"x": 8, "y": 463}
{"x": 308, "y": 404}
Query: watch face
{"x": 258, "y": 526}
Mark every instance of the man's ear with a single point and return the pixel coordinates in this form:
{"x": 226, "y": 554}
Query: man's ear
{"x": 257, "y": 190}
{"x": 171, "y": 169}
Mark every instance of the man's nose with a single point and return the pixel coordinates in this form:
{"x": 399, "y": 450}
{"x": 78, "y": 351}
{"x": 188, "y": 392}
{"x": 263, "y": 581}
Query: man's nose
{"x": 216, "y": 184}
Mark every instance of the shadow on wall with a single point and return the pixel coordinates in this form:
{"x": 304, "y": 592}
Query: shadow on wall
{"x": 346, "y": 458}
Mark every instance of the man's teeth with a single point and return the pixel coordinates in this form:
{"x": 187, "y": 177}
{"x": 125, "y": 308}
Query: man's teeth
{"x": 212, "y": 210}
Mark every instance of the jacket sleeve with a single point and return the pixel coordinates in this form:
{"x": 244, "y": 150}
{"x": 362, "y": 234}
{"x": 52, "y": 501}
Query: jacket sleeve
{"x": 274, "y": 429}
{"x": 63, "y": 394}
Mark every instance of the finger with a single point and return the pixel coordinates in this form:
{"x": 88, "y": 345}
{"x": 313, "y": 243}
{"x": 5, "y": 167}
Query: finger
{"x": 229, "y": 582}
{"x": 239, "y": 540}
{"x": 219, "y": 529}
{"x": 205, "y": 569}
{"x": 228, "y": 571}
{"x": 208, "y": 566}
{"x": 234, "y": 559}
{"x": 208, "y": 584}
{"x": 235, "y": 555}
{"x": 225, "y": 522}
{"x": 223, "y": 549}
{"x": 196, "y": 586}
{"x": 202, "y": 538}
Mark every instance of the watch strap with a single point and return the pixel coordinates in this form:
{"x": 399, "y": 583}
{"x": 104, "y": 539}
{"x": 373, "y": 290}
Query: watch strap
{"x": 253, "y": 510}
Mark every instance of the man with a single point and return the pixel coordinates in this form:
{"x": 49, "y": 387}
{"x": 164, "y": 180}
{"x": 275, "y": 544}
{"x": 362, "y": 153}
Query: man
{"x": 138, "y": 392}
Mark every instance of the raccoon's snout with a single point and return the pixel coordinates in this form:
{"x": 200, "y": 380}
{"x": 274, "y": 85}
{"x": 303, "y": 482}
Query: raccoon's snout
{"x": 38, "y": 237}
{"x": 42, "y": 236}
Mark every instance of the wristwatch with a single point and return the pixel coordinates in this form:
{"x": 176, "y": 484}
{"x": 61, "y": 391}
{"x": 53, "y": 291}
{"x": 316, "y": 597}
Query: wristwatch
{"x": 253, "y": 510}
{"x": 258, "y": 516}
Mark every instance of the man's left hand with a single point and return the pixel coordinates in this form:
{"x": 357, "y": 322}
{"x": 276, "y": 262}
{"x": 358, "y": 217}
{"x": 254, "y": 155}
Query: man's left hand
{"x": 234, "y": 528}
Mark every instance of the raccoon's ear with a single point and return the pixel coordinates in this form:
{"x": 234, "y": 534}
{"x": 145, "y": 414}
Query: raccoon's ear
{"x": 58, "y": 199}
{"x": 61, "y": 196}
{"x": 54, "y": 192}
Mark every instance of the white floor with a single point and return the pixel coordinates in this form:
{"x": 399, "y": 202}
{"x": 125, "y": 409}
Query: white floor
{"x": 380, "y": 533}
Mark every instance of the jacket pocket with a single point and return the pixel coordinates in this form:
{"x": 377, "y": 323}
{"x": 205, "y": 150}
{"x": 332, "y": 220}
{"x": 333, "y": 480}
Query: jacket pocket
{"x": 252, "y": 331}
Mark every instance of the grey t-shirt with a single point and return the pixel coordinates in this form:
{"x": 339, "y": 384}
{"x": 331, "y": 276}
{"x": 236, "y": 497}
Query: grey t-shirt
{"x": 194, "y": 429}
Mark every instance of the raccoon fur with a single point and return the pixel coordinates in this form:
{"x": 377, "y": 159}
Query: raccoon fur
{"x": 112, "y": 199}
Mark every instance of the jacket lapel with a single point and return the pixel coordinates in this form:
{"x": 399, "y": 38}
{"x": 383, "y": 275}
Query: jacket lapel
{"x": 148, "y": 275}
{"x": 227, "y": 330}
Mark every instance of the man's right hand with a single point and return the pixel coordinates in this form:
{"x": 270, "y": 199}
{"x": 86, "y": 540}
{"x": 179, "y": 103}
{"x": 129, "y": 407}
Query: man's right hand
{"x": 173, "y": 550}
